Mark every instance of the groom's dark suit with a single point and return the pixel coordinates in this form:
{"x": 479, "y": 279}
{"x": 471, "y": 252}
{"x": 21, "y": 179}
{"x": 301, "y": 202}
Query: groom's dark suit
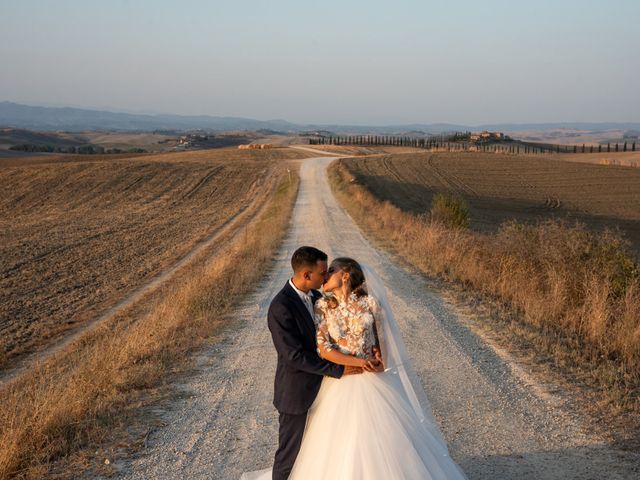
{"x": 298, "y": 373}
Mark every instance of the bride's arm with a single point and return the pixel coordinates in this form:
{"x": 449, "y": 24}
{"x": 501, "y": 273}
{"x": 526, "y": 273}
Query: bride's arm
{"x": 327, "y": 350}
{"x": 341, "y": 358}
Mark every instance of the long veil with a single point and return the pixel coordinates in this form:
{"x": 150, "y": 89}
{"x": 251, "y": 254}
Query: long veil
{"x": 395, "y": 356}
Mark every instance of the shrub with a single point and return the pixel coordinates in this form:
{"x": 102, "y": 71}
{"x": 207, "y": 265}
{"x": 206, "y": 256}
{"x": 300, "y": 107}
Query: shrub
{"x": 450, "y": 210}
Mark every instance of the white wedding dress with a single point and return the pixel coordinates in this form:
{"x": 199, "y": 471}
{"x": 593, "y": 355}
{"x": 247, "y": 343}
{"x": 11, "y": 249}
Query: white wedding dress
{"x": 369, "y": 426}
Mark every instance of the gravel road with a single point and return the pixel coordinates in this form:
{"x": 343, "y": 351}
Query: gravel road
{"x": 498, "y": 425}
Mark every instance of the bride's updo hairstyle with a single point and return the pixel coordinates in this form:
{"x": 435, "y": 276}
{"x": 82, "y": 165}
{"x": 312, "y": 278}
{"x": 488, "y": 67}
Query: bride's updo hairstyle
{"x": 356, "y": 277}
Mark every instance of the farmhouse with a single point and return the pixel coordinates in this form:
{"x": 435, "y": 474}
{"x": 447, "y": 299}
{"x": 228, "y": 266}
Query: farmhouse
{"x": 486, "y": 136}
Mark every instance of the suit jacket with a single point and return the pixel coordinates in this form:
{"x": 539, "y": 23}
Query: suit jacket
{"x": 300, "y": 369}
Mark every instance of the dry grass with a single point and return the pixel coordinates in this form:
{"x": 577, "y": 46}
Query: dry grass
{"x": 579, "y": 290}
{"x": 92, "y": 390}
{"x": 76, "y": 236}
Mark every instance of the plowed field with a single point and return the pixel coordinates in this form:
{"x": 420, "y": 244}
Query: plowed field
{"x": 500, "y": 187}
{"x": 77, "y": 234}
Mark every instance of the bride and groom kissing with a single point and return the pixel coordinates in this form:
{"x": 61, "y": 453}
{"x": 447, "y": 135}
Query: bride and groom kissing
{"x": 344, "y": 387}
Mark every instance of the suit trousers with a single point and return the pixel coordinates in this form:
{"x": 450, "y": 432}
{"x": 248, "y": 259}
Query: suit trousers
{"x": 289, "y": 441}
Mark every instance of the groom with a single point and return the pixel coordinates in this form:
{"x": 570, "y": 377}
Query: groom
{"x": 300, "y": 369}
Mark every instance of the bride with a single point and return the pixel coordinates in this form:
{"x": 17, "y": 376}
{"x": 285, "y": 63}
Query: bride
{"x": 372, "y": 425}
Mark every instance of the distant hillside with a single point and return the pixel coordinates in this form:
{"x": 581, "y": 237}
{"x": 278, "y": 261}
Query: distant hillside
{"x": 78, "y": 119}
{"x": 11, "y": 136}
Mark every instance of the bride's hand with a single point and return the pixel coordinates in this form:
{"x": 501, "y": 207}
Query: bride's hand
{"x": 376, "y": 353}
{"x": 377, "y": 359}
{"x": 378, "y": 366}
{"x": 372, "y": 365}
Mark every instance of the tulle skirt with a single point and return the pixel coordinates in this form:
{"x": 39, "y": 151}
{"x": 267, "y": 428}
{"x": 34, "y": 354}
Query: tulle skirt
{"x": 364, "y": 427}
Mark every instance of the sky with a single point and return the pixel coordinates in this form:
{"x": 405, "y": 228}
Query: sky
{"x": 349, "y": 62}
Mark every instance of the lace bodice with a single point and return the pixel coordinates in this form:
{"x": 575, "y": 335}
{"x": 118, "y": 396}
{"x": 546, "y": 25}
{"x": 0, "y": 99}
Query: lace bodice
{"x": 351, "y": 327}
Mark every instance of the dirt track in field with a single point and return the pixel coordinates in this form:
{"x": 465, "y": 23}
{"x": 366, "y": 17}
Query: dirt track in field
{"x": 78, "y": 237}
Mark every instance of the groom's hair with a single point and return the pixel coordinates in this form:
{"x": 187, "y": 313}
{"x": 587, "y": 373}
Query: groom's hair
{"x": 306, "y": 257}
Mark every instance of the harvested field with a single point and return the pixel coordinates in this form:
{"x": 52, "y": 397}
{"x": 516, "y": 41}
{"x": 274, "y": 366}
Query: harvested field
{"x": 77, "y": 233}
{"x": 11, "y": 158}
{"x": 500, "y": 187}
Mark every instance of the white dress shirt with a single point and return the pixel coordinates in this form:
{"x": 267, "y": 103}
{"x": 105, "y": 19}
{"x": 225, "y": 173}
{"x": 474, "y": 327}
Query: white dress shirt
{"x": 306, "y": 298}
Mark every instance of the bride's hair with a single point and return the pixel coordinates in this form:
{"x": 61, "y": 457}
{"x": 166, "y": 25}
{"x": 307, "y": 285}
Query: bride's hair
{"x": 356, "y": 277}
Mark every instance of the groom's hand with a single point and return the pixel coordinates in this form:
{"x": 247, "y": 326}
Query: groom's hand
{"x": 348, "y": 370}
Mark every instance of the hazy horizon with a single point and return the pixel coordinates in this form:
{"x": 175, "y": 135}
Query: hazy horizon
{"x": 361, "y": 63}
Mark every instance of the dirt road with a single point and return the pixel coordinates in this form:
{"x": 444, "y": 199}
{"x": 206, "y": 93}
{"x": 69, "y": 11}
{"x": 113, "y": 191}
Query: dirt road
{"x": 497, "y": 425}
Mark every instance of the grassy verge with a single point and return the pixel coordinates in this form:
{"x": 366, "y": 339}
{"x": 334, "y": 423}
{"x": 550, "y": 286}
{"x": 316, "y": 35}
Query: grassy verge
{"x": 91, "y": 392}
{"x": 578, "y": 291}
